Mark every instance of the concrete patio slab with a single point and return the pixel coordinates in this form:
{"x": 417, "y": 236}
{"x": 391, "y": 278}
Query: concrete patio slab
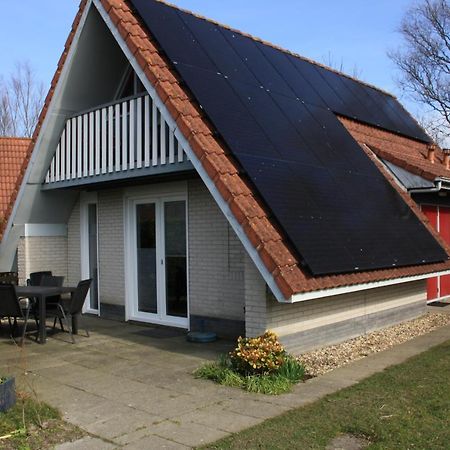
{"x": 259, "y": 409}
{"x": 188, "y": 433}
{"x": 86, "y": 443}
{"x": 154, "y": 443}
{"x": 132, "y": 386}
{"x": 230, "y": 421}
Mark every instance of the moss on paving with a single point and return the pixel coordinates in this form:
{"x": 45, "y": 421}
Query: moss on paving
{"x": 34, "y": 425}
{"x": 404, "y": 407}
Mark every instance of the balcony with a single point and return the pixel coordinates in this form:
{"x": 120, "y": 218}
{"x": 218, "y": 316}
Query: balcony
{"x": 122, "y": 140}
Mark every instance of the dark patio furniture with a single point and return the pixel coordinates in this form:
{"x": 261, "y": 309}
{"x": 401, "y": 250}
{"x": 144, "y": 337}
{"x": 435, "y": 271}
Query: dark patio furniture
{"x": 69, "y": 309}
{"x": 36, "y": 277}
{"x": 35, "y": 280}
{"x": 42, "y": 293}
{"x": 9, "y": 278}
{"x": 10, "y": 308}
{"x": 51, "y": 281}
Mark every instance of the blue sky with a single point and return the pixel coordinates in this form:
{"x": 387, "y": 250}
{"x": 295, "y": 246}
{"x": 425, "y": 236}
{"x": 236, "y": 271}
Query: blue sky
{"x": 356, "y": 32}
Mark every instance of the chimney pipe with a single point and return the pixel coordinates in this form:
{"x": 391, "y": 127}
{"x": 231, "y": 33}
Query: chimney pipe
{"x": 431, "y": 153}
{"x": 446, "y": 161}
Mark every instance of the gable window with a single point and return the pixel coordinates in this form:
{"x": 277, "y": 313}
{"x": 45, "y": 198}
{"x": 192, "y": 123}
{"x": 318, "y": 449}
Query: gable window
{"x": 130, "y": 86}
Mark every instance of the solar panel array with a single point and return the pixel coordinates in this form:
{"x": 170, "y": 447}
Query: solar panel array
{"x": 277, "y": 114}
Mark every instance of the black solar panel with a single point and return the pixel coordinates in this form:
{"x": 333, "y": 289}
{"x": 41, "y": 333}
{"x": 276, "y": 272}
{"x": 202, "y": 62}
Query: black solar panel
{"x": 277, "y": 114}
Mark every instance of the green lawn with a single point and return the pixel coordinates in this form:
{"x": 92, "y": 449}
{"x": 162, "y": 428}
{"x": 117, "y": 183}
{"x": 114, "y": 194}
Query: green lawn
{"x": 405, "y": 407}
{"x": 34, "y": 426}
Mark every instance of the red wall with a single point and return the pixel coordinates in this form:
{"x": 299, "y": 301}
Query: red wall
{"x": 439, "y": 217}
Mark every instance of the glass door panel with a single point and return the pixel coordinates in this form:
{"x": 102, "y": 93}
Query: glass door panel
{"x": 146, "y": 258}
{"x": 93, "y": 257}
{"x": 175, "y": 258}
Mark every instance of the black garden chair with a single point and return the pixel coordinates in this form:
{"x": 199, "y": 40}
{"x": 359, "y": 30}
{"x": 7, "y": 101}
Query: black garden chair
{"x": 52, "y": 281}
{"x": 67, "y": 309}
{"x": 10, "y": 308}
{"x": 36, "y": 277}
{"x": 34, "y": 280}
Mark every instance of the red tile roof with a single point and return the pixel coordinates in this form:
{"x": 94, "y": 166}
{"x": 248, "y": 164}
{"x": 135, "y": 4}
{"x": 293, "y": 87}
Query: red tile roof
{"x": 13, "y": 155}
{"x": 216, "y": 159}
{"x": 406, "y": 153}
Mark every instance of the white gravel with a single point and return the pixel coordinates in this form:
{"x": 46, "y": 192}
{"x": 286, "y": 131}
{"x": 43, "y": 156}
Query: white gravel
{"x": 324, "y": 360}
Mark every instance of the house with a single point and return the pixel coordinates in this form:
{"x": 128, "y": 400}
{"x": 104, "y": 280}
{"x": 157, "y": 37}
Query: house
{"x": 206, "y": 179}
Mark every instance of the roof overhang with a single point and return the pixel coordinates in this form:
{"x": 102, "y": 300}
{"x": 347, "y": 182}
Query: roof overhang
{"x": 303, "y": 297}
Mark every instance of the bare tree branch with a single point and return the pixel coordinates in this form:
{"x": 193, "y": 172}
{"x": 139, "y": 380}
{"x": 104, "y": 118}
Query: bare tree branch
{"x": 424, "y": 60}
{"x": 21, "y": 100}
{"x": 436, "y": 127}
{"x": 330, "y": 61}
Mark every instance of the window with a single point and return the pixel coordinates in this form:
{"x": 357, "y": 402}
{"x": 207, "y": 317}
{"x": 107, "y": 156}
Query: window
{"x": 131, "y": 85}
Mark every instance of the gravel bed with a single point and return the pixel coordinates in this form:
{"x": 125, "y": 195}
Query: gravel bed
{"x": 318, "y": 362}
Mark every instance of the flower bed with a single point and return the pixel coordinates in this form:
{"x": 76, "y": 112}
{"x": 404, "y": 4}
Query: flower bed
{"x": 258, "y": 364}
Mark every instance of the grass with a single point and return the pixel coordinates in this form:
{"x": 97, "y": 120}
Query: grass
{"x": 404, "y": 407}
{"x": 34, "y": 425}
{"x": 272, "y": 384}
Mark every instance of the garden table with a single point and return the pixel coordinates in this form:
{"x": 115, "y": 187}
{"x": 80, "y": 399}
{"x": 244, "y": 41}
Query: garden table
{"x": 42, "y": 293}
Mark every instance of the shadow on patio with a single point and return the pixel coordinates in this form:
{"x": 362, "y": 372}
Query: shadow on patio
{"x": 124, "y": 379}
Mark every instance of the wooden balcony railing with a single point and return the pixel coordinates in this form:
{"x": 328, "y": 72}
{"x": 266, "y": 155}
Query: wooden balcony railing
{"x": 125, "y": 136}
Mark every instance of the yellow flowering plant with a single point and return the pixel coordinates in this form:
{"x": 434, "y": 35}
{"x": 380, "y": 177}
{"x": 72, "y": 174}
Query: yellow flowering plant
{"x": 258, "y": 356}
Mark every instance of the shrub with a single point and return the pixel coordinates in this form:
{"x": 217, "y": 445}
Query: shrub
{"x": 259, "y": 355}
{"x": 259, "y": 365}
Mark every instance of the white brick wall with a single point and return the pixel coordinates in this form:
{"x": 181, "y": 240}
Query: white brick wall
{"x": 111, "y": 246}
{"x": 216, "y": 259}
{"x": 255, "y": 300}
{"x": 313, "y": 313}
{"x": 74, "y": 247}
{"x": 36, "y": 254}
{"x": 315, "y": 323}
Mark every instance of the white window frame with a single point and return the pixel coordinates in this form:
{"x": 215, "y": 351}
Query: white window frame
{"x": 158, "y": 195}
{"x": 86, "y": 199}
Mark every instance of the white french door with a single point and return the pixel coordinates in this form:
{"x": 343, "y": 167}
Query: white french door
{"x": 89, "y": 250}
{"x": 157, "y": 289}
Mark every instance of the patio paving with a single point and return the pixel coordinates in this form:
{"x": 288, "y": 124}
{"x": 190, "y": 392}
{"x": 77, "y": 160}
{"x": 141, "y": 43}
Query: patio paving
{"x": 131, "y": 386}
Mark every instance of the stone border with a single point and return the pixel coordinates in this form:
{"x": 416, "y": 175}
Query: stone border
{"x": 326, "y": 359}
